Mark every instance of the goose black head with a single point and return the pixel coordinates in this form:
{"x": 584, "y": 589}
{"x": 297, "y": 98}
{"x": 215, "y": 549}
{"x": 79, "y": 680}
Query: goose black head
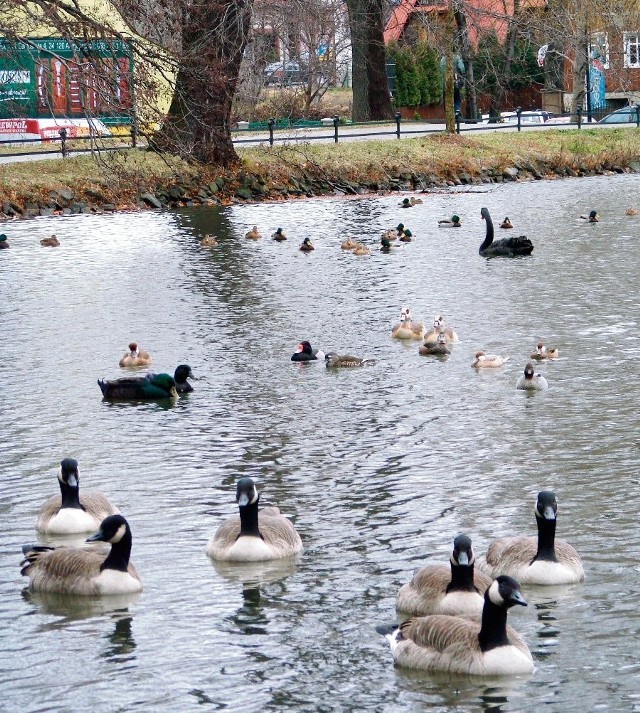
{"x": 462, "y": 552}
{"x": 306, "y": 348}
{"x": 528, "y": 371}
{"x": 593, "y": 216}
{"x": 546, "y": 505}
{"x": 69, "y": 472}
{"x": 246, "y": 492}
{"x": 112, "y": 530}
{"x": 505, "y": 592}
{"x": 484, "y": 213}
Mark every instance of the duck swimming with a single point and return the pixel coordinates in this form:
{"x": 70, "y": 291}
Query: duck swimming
{"x": 256, "y": 535}
{"x": 506, "y": 247}
{"x": 143, "y": 388}
{"x": 208, "y": 241}
{"x": 135, "y": 356}
{"x": 407, "y": 328}
{"x": 431, "y": 337}
{"x": 72, "y": 570}
{"x": 593, "y": 216}
{"x": 454, "y": 222}
{"x": 543, "y": 352}
{"x": 399, "y": 230}
{"x": 346, "y": 361}
{"x": 531, "y": 381}
{"x": 506, "y": 223}
{"x": 305, "y": 352}
{"x": 279, "y": 235}
{"x": 4, "y": 244}
{"x": 406, "y": 237}
{"x": 51, "y": 242}
{"x": 180, "y": 376}
{"x": 410, "y": 202}
{"x": 348, "y": 244}
{"x": 483, "y": 360}
{"x": 440, "y": 348}
{"x": 361, "y": 249}
{"x": 631, "y": 211}
{"x": 306, "y": 246}
{"x": 385, "y": 245}
{"x": 253, "y": 234}
{"x": 536, "y": 560}
{"x": 71, "y": 513}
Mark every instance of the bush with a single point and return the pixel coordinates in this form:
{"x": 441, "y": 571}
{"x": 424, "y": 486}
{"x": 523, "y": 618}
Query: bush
{"x": 417, "y": 75}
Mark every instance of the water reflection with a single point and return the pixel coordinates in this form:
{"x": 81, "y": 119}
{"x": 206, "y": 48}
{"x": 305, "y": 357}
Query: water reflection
{"x": 122, "y": 644}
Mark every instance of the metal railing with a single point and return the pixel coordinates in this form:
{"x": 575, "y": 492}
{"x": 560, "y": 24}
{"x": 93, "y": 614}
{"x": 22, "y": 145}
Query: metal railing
{"x": 63, "y": 139}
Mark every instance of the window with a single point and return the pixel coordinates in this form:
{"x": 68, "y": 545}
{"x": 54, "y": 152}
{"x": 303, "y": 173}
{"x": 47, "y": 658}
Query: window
{"x": 599, "y": 49}
{"x": 631, "y": 49}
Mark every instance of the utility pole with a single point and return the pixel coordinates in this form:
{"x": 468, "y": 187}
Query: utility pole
{"x": 449, "y": 114}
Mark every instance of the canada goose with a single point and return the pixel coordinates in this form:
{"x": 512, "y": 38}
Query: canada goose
{"x": 631, "y": 211}
{"x": 361, "y": 249}
{"x": 305, "y": 352}
{"x": 345, "y": 361}
{"x": 247, "y": 539}
{"x": 253, "y": 234}
{"x": 306, "y": 246}
{"x": 593, "y": 216}
{"x": 440, "y": 348}
{"x": 51, "y": 242}
{"x": 507, "y": 247}
{"x": 431, "y": 337}
{"x": 135, "y": 356}
{"x": 483, "y": 361}
{"x": 442, "y": 589}
{"x": 453, "y": 222}
{"x": 72, "y": 570}
{"x": 543, "y": 352}
{"x": 348, "y": 244}
{"x": 208, "y": 241}
{"x": 536, "y": 560}
{"x": 506, "y": 224}
{"x": 71, "y": 513}
{"x": 407, "y": 327}
{"x": 456, "y": 644}
{"x": 530, "y": 381}
{"x": 279, "y": 235}
{"x": 143, "y": 388}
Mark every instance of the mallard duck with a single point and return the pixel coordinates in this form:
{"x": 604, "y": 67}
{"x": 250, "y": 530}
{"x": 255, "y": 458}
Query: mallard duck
{"x": 406, "y": 237}
{"x": 407, "y": 328}
{"x": 306, "y": 246}
{"x": 440, "y": 348}
{"x": 454, "y": 222}
{"x": 361, "y": 249}
{"x": 208, "y": 241}
{"x": 135, "y": 356}
{"x": 530, "y": 381}
{"x": 4, "y": 243}
{"x": 431, "y": 337}
{"x": 536, "y": 560}
{"x": 254, "y": 536}
{"x": 72, "y": 570}
{"x": 348, "y": 244}
{"x": 71, "y": 513}
{"x": 345, "y": 361}
{"x": 399, "y": 230}
{"x": 253, "y": 234}
{"x": 631, "y": 211}
{"x": 455, "y": 644}
{"x": 488, "y": 361}
{"x": 305, "y": 352}
{"x": 507, "y": 247}
{"x": 278, "y": 235}
{"x": 593, "y": 216}
{"x": 543, "y": 352}
{"x": 51, "y": 242}
{"x": 386, "y": 246}
{"x": 410, "y": 202}
{"x": 143, "y": 388}
{"x": 506, "y": 223}
{"x": 453, "y": 589}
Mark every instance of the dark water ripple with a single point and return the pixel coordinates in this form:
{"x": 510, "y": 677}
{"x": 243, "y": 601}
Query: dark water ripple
{"x": 379, "y": 468}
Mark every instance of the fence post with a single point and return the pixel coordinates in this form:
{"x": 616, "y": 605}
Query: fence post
{"x": 398, "y": 118}
{"x": 519, "y": 114}
{"x": 579, "y": 115}
{"x": 457, "y": 122}
{"x": 335, "y": 129}
{"x": 638, "y": 115}
{"x": 63, "y": 142}
{"x": 271, "y": 124}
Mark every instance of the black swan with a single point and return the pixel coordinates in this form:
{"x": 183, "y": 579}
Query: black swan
{"x": 507, "y": 247}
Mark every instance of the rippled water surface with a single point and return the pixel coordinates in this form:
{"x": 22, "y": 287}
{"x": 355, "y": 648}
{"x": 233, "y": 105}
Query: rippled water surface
{"x": 379, "y": 467}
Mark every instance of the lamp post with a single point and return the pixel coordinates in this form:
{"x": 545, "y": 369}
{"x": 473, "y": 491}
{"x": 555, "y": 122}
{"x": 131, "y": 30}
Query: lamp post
{"x": 588, "y": 75}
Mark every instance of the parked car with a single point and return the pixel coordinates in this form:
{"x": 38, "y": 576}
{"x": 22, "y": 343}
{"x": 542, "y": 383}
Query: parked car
{"x": 626, "y": 115}
{"x": 526, "y": 117}
{"x": 284, "y": 73}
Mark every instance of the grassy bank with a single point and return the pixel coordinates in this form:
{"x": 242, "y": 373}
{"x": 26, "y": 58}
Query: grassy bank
{"x": 130, "y": 178}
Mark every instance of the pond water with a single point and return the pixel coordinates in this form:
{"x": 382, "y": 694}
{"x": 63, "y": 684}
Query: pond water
{"x": 380, "y": 468}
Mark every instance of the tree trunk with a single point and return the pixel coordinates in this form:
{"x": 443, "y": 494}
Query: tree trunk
{"x": 497, "y": 98}
{"x": 197, "y": 126}
{"x": 466, "y": 52}
{"x": 371, "y": 98}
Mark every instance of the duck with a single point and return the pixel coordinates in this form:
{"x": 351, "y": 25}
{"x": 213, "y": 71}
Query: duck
{"x": 440, "y": 348}
{"x": 4, "y": 243}
{"x": 406, "y": 237}
{"x": 431, "y": 337}
{"x": 407, "y": 328}
{"x": 306, "y": 246}
{"x": 543, "y": 352}
{"x": 593, "y": 216}
{"x": 462, "y": 645}
{"x": 208, "y": 241}
{"x": 348, "y": 244}
{"x": 506, "y": 224}
{"x": 631, "y": 211}
{"x": 305, "y": 352}
{"x": 542, "y": 560}
{"x": 345, "y": 361}
{"x": 180, "y": 376}
{"x": 51, "y": 242}
{"x": 253, "y": 234}
{"x": 135, "y": 356}
{"x": 361, "y": 249}
{"x": 410, "y": 202}
{"x": 278, "y": 235}
{"x": 389, "y": 234}
{"x": 71, "y": 513}
{"x": 507, "y": 247}
{"x": 385, "y": 245}
{"x": 142, "y": 388}
{"x": 484, "y": 361}
{"x": 254, "y": 536}
{"x": 453, "y": 589}
{"x": 399, "y": 230}
{"x": 530, "y": 381}
{"x": 453, "y": 222}
{"x": 84, "y": 572}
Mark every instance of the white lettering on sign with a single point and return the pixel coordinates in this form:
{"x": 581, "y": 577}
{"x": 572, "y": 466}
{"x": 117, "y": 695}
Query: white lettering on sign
{"x": 15, "y": 76}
